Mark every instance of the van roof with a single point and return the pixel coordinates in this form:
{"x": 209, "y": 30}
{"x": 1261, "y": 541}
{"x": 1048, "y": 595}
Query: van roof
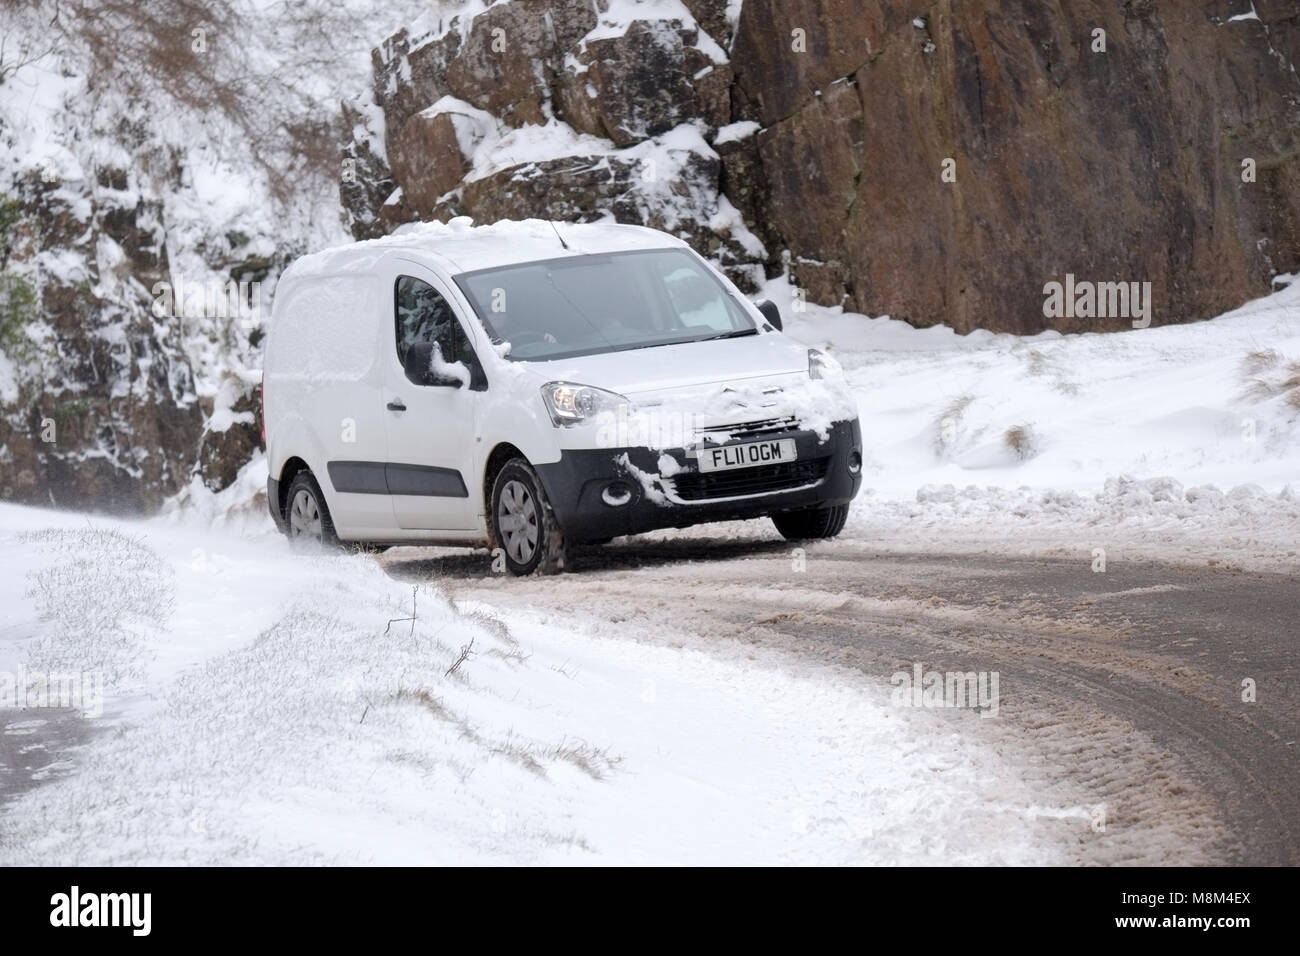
{"x": 460, "y": 246}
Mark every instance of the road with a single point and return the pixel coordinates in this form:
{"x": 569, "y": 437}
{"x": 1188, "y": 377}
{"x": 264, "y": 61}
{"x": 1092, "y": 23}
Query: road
{"x": 37, "y": 746}
{"x": 1121, "y": 689}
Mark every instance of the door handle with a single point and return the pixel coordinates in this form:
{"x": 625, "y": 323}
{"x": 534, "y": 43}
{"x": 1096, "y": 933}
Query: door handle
{"x": 396, "y": 405}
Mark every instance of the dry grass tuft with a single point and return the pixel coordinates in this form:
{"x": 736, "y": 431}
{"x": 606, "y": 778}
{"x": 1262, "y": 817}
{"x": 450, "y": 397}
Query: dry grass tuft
{"x": 1292, "y": 379}
{"x": 1264, "y": 376}
{"x": 1022, "y": 440}
{"x": 1259, "y": 360}
{"x": 493, "y": 625}
{"x": 948, "y": 421}
{"x": 596, "y": 762}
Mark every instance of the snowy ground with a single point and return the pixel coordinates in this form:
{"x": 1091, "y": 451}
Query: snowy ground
{"x": 258, "y": 707}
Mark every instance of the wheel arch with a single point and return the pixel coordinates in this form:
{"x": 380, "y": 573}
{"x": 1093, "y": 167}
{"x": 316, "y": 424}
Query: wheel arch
{"x": 292, "y": 467}
{"x": 496, "y": 460}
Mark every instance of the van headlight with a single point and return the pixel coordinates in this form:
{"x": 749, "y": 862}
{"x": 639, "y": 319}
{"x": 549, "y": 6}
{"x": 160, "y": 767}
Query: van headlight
{"x": 821, "y": 365}
{"x": 570, "y": 403}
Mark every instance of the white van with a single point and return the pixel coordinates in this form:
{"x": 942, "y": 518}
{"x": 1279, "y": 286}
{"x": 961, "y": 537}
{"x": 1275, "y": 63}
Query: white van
{"x": 529, "y": 385}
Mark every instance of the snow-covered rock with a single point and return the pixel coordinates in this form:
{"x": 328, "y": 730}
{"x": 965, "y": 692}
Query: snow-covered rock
{"x": 564, "y": 112}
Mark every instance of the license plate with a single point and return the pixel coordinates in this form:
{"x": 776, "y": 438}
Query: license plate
{"x": 749, "y": 455}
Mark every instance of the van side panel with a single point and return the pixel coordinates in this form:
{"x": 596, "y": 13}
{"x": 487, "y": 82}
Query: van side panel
{"x": 323, "y": 389}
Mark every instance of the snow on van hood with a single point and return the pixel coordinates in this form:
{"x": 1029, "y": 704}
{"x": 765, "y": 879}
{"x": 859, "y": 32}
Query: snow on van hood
{"x": 663, "y": 369}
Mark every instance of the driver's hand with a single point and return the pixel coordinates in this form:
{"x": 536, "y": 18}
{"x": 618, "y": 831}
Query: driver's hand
{"x": 549, "y": 338}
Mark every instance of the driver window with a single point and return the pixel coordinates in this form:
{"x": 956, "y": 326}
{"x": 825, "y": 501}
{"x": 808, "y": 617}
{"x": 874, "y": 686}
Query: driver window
{"x": 424, "y": 316}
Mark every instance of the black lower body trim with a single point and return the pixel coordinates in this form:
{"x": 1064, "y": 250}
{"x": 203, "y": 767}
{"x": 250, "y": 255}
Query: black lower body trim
{"x": 358, "y": 477}
{"x": 603, "y": 493}
{"x": 387, "y": 478}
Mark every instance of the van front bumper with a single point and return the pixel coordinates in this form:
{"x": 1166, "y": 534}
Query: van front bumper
{"x": 607, "y": 492}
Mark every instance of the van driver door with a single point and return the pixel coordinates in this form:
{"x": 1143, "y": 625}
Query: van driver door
{"x": 433, "y": 384}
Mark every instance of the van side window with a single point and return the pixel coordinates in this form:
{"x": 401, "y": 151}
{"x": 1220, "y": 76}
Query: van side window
{"x": 424, "y": 316}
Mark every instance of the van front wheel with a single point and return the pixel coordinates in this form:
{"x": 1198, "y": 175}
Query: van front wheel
{"x": 811, "y": 523}
{"x": 523, "y": 524}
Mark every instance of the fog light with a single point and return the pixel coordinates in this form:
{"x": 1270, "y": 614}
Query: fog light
{"x": 855, "y": 462}
{"x": 616, "y": 494}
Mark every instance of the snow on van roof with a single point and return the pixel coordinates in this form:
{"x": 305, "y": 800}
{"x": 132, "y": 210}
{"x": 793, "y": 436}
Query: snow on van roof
{"x": 460, "y": 246}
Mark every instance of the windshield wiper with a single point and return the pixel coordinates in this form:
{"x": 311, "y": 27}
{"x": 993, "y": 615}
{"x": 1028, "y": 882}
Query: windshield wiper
{"x": 734, "y": 334}
{"x": 633, "y": 346}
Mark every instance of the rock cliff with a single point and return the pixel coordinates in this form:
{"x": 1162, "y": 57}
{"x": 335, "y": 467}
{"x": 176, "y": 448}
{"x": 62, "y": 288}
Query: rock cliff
{"x": 1140, "y": 141}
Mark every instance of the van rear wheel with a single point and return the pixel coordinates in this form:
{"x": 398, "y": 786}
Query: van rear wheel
{"x": 307, "y": 517}
{"x": 811, "y": 523}
{"x": 523, "y": 524}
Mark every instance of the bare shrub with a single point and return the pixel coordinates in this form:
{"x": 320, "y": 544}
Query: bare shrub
{"x": 22, "y": 41}
{"x": 466, "y": 652}
{"x": 200, "y": 56}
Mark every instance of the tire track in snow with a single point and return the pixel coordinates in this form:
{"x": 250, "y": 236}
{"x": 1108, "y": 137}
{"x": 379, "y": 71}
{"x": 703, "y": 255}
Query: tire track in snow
{"x": 1119, "y": 689}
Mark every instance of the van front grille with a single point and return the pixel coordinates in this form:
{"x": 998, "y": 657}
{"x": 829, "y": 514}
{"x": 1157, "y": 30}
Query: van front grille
{"x": 702, "y": 486}
{"x": 749, "y": 429}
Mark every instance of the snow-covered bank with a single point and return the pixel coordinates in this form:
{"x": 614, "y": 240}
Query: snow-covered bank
{"x": 284, "y": 709}
{"x": 1178, "y": 442}
{"x": 1214, "y": 402}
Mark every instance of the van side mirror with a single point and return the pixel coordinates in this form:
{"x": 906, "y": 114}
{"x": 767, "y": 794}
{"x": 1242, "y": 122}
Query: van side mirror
{"x": 771, "y": 313}
{"x": 419, "y": 367}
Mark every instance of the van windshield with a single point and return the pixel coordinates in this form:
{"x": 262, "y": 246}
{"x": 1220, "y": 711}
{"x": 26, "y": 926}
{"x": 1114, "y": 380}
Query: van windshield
{"x": 585, "y": 305}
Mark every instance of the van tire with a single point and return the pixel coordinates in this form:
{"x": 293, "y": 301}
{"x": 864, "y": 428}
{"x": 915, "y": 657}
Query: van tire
{"x": 311, "y": 522}
{"x": 811, "y": 522}
{"x": 532, "y": 540}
